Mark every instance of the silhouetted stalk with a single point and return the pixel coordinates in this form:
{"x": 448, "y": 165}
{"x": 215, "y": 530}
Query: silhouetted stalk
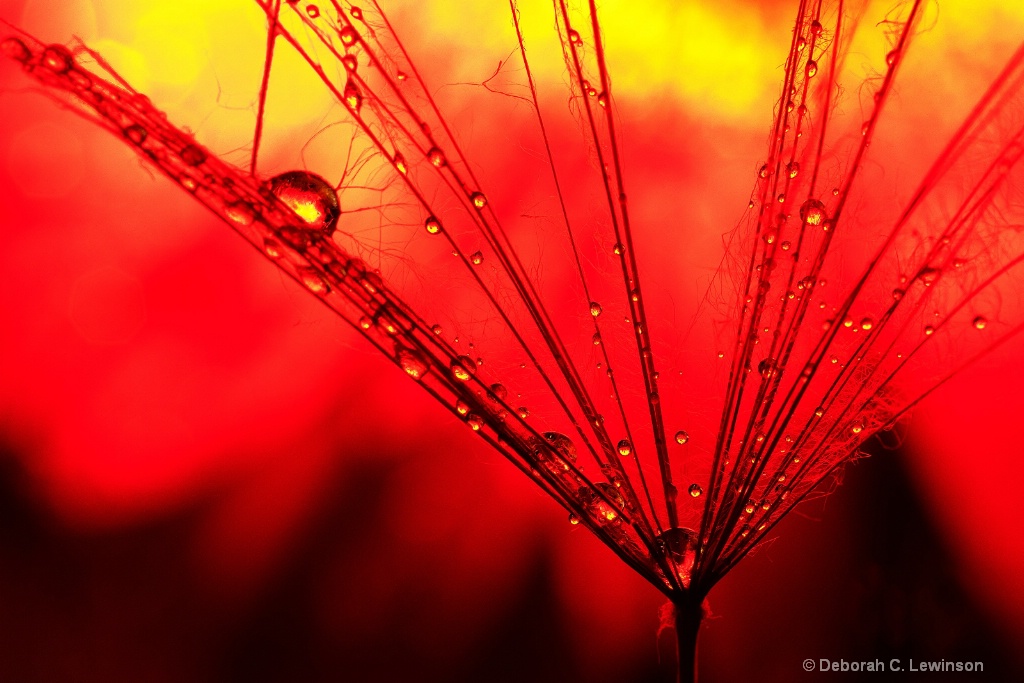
{"x": 689, "y": 613}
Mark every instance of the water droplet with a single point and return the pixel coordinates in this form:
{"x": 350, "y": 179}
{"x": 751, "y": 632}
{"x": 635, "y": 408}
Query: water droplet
{"x": 352, "y": 95}
{"x": 432, "y": 225}
{"x": 365, "y": 323}
{"x": 399, "y": 162}
{"x": 313, "y": 282}
{"x": 602, "y": 99}
{"x": 682, "y": 437}
{"x": 561, "y": 443}
{"x": 356, "y": 13}
{"x": 350, "y": 62}
{"x": 750, "y": 507}
{"x": 867, "y": 324}
{"x": 979, "y": 323}
{"x": 15, "y": 49}
{"x": 892, "y": 57}
{"x": 522, "y": 412}
{"x": 573, "y": 519}
{"x": 478, "y": 199}
{"x": 815, "y": 28}
{"x": 436, "y": 157}
{"x": 792, "y": 169}
{"x": 348, "y": 35}
{"x": 574, "y": 37}
{"x": 58, "y": 59}
{"x": 310, "y": 197}
{"x": 461, "y": 407}
{"x": 897, "y": 294}
{"x": 499, "y": 391}
{"x": 192, "y": 155}
{"x": 595, "y": 309}
{"x": 812, "y": 212}
{"x": 857, "y": 427}
{"x": 413, "y": 363}
{"x": 801, "y": 44}
{"x": 240, "y": 213}
{"x": 695, "y": 490}
{"x": 271, "y": 247}
{"x": 625, "y": 448}
{"x": 819, "y": 411}
{"x": 763, "y": 171}
{"x": 928, "y": 275}
{"x": 767, "y": 367}
{"x": 476, "y": 258}
{"x": 312, "y": 11}
{"x": 136, "y": 134}
{"x": 812, "y": 68}
{"x": 474, "y": 421}
{"x": 463, "y": 368}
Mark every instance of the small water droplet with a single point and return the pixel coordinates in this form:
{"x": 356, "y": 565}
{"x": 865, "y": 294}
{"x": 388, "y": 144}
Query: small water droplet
{"x": 695, "y": 490}
{"x": 625, "y": 448}
{"x": 595, "y": 309}
{"x": 928, "y": 330}
{"x": 463, "y": 368}
{"x": 522, "y": 412}
{"x": 767, "y": 367}
{"x": 272, "y": 247}
{"x": 812, "y": 68}
{"x": 812, "y": 212}
{"x": 867, "y": 323}
{"x": 897, "y": 294}
{"x": 350, "y": 62}
{"x": 750, "y": 507}
{"x": 313, "y": 282}
{"x": 192, "y": 155}
{"x": 815, "y": 28}
{"x": 312, "y": 11}
{"x": 413, "y": 363}
{"x": 348, "y": 35}
{"x": 928, "y": 275}
{"x": 792, "y": 169}
{"x": 136, "y": 134}
{"x": 574, "y": 37}
{"x": 461, "y": 407}
{"x": 352, "y": 95}
{"x": 892, "y": 57}
{"x": 801, "y": 44}
{"x": 474, "y": 421}
{"x": 58, "y": 59}
{"x": 432, "y": 225}
{"x": 240, "y": 213}
{"x": 476, "y": 258}
{"x": 763, "y": 171}
{"x": 310, "y": 197}
{"x": 15, "y": 49}
{"x": 574, "y": 519}
{"x": 399, "y": 162}
{"x": 979, "y": 323}
{"x": 436, "y": 157}
{"x": 478, "y": 199}
{"x": 682, "y": 437}
{"x": 857, "y": 427}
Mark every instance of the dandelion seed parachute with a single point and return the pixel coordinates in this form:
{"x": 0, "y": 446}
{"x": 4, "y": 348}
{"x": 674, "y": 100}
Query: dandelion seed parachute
{"x": 759, "y": 456}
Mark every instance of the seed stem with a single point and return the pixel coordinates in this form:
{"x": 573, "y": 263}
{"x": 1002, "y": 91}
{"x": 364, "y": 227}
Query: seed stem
{"x": 689, "y": 613}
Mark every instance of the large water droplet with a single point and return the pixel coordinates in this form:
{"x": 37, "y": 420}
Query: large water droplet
{"x": 432, "y": 225}
{"x": 561, "y": 443}
{"x": 695, "y": 490}
{"x": 478, "y": 199}
{"x": 310, "y": 197}
{"x": 436, "y": 157}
